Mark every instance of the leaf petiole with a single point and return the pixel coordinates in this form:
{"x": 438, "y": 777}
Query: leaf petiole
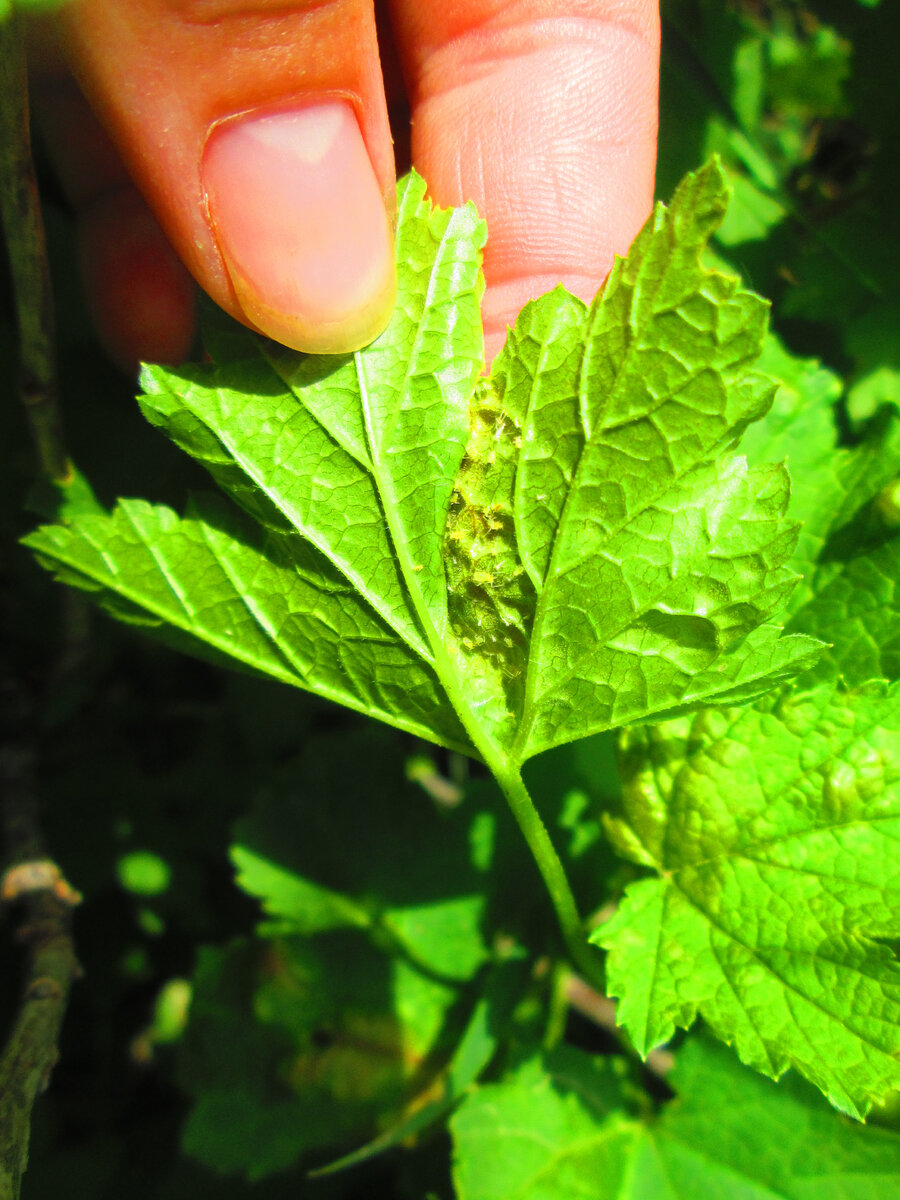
{"x": 509, "y": 779}
{"x": 552, "y": 871}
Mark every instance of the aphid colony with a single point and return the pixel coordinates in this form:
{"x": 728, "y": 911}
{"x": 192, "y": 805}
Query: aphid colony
{"x": 491, "y": 599}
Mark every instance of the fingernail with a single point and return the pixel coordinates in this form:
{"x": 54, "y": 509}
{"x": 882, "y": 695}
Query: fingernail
{"x": 300, "y": 222}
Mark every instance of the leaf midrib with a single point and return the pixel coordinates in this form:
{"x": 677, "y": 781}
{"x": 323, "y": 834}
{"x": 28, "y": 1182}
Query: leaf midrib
{"x": 382, "y": 477}
{"x": 444, "y": 665}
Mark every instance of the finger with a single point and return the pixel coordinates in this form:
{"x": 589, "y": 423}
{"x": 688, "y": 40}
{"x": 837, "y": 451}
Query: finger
{"x": 544, "y": 112}
{"x": 257, "y": 132}
{"x": 140, "y": 296}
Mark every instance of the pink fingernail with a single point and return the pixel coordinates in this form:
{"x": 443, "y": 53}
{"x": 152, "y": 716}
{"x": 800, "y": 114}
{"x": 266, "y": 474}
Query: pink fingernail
{"x": 301, "y": 225}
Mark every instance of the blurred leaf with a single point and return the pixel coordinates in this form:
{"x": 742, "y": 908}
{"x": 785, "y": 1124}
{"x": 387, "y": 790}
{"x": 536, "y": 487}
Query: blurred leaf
{"x": 474, "y": 1051}
{"x": 848, "y": 550}
{"x": 66, "y": 501}
{"x": 144, "y": 873}
{"x": 8, "y": 7}
{"x": 561, "y": 1128}
{"x": 807, "y": 74}
{"x": 850, "y": 596}
{"x": 874, "y": 341}
{"x": 791, "y": 96}
{"x": 751, "y": 215}
{"x": 555, "y": 1127}
{"x": 302, "y": 1045}
{"x": 347, "y": 841}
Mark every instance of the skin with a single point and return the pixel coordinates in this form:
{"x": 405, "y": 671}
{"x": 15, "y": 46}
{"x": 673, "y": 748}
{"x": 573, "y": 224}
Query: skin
{"x": 211, "y": 138}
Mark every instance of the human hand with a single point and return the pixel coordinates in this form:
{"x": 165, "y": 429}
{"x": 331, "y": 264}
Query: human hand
{"x": 259, "y": 134}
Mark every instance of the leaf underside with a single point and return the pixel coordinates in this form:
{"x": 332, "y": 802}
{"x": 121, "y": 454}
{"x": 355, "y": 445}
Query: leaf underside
{"x": 563, "y": 547}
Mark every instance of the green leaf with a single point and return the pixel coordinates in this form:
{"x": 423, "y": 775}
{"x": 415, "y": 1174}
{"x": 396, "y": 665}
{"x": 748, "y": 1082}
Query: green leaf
{"x": 405, "y": 410}
{"x": 475, "y": 1049}
{"x": 9, "y": 7}
{"x": 497, "y": 564}
{"x": 298, "y": 1046}
{"x": 213, "y": 582}
{"x": 777, "y": 1140}
{"x": 64, "y": 500}
{"x": 851, "y": 594}
{"x": 556, "y": 1129}
{"x": 857, "y": 606}
{"x": 561, "y": 1128}
{"x": 807, "y": 75}
{"x": 774, "y": 834}
{"x": 800, "y": 431}
{"x": 871, "y": 390}
{"x": 397, "y": 866}
{"x": 848, "y": 551}
{"x": 769, "y": 88}
{"x": 752, "y": 215}
{"x": 667, "y": 552}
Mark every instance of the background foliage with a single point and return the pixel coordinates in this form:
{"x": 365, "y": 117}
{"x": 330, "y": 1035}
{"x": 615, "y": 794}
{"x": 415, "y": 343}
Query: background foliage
{"x": 329, "y": 892}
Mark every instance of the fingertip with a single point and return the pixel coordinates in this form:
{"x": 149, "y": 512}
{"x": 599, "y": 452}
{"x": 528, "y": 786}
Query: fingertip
{"x": 141, "y": 297}
{"x": 302, "y": 225}
{"x": 546, "y": 118}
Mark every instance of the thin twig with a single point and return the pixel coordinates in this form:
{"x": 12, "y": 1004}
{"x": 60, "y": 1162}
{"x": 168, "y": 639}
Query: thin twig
{"x": 36, "y": 887}
{"x": 20, "y": 214}
{"x": 602, "y": 1011}
{"x": 31, "y": 883}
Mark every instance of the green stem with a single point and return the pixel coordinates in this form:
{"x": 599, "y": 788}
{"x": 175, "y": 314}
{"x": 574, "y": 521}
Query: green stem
{"x": 521, "y": 805}
{"x": 20, "y": 215}
{"x": 550, "y": 866}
